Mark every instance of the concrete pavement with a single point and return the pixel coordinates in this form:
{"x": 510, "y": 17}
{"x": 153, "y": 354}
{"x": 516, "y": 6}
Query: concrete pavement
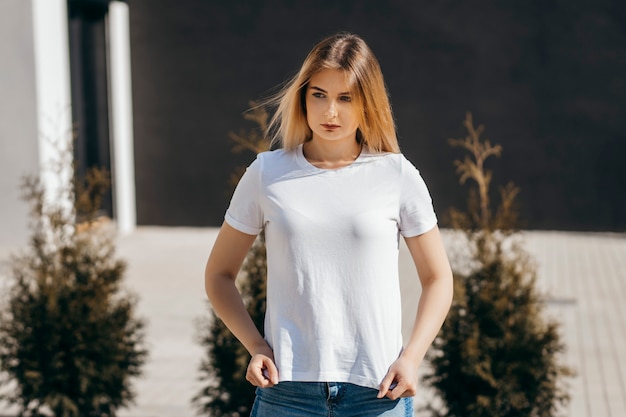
{"x": 583, "y": 274}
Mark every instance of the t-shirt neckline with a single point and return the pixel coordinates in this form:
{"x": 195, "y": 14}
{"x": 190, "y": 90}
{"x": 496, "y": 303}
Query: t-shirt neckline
{"x": 306, "y": 164}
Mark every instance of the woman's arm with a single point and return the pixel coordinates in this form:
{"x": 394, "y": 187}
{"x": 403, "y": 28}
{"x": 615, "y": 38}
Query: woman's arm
{"x": 435, "y": 276}
{"x": 227, "y": 255}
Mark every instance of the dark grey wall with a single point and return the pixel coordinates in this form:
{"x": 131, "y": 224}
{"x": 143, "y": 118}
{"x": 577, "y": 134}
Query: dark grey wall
{"x": 546, "y": 77}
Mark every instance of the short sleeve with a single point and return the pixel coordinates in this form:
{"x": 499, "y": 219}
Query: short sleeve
{"x": 244, "y": 212}
{"x": 417, "y": 215}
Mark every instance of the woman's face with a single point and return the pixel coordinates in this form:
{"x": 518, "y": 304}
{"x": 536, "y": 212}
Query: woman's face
{"x": 330, "y": 112}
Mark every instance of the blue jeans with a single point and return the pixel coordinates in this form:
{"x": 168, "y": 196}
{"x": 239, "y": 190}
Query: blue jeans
{"x": 326, "y": 399}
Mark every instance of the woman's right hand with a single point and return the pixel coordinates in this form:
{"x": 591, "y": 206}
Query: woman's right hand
{"x": 262, "y": 371}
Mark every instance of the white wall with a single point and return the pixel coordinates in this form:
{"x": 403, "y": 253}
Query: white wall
{"x": 18, "y": 117}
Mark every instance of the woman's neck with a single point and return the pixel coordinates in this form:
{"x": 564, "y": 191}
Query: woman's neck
{"x": 331, "y": 154}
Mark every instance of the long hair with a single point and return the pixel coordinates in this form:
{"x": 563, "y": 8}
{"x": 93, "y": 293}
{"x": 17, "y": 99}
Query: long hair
{"x": 349, "y": 53}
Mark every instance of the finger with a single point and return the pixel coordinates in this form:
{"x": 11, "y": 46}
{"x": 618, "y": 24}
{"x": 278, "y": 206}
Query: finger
{"x": 396, "y": 389}
{"x": 265, "y": 382}
{"x": 267, "y": 373}
{"x": 252, "y": 378}
{"x": 410, "y": 390}
{"x": 258, "y": 379}
{"x": 402, "y": 389}
{"x": 264, "y": 378}
{"x": 385, "y": 385}
{"x": 254, "y": 373}
{"x": 270, "y": 371}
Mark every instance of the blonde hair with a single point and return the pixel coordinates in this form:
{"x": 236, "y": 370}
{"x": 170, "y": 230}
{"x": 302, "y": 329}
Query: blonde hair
{"x": 349, "y": 53}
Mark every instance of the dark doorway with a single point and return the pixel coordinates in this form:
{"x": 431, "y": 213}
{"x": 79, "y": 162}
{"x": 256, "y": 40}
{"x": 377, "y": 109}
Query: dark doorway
{"x": 89, "y": 83}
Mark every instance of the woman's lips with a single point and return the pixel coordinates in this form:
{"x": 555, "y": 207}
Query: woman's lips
{"x": 330, "y": 126}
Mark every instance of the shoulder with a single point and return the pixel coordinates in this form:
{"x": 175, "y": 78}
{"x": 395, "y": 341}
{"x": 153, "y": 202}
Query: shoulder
{"x": 275, "y": 156}
{"x": 270, "y": 159}
{"x": 274, "y": 164}
{"x": 394, "y": 162}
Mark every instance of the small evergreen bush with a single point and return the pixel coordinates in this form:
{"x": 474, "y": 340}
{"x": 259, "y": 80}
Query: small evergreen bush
{"x": 495, "y": 356}
{"x": 69, "y": 341}
{"x": 225, "y": 391}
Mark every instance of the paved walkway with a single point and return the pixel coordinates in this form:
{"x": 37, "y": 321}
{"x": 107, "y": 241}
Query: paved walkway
{"x": 583, "y": 273}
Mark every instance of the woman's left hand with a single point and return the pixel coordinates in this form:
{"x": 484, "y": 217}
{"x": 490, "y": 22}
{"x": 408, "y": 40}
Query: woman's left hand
{"x": 401, "y": 380}
{"x": 435, "y": 276}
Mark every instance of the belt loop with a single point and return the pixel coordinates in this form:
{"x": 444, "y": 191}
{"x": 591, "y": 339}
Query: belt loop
{"x": 327, "y": 391}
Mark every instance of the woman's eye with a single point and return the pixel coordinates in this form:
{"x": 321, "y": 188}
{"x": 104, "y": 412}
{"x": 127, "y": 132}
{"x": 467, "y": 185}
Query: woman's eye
{"x": 318, "y": 95}
{"x": 347, "y": 99}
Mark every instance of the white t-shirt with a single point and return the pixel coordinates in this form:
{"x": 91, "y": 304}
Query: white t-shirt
{"x": 333, "y": 294}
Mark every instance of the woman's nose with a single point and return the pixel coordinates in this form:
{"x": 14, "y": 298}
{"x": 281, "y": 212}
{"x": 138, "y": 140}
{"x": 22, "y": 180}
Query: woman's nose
{"x": 331, "y": 111}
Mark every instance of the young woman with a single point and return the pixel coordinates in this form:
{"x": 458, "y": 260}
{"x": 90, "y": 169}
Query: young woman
{"x": 333, "y": 201}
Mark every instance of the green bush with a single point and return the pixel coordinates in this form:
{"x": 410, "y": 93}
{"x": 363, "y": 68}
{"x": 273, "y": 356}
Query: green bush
{"x": 496, "y": 356}
{"x": 69, "y": 341}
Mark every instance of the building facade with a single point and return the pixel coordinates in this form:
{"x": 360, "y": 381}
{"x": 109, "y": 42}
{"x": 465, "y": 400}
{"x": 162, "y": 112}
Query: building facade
{"x": 545, "y": 79}
{"x": 60, "y": 90}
